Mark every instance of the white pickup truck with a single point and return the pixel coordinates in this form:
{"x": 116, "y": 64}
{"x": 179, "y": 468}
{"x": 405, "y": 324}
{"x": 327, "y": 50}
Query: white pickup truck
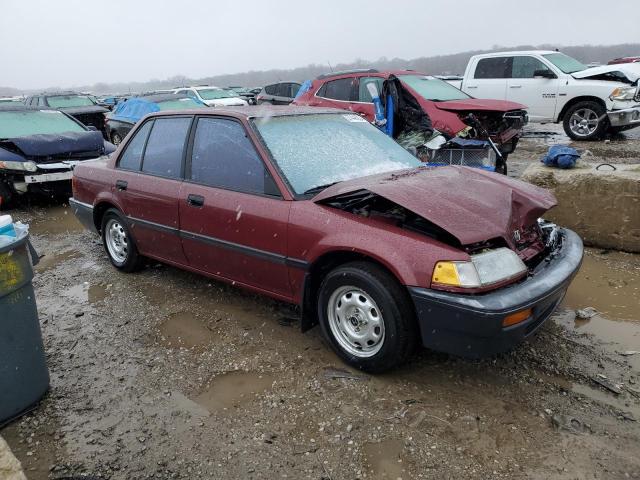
{"x": 557, "y": 88}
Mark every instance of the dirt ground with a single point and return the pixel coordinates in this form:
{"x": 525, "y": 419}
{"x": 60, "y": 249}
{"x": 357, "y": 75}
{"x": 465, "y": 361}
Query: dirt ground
{"x": 166, "y": 374}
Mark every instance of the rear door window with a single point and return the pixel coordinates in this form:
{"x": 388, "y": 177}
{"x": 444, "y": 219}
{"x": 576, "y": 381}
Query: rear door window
{"x": 131, "y": 159}
{"x": 293, "y": 89}
{"x": 283, "y": 90}
{"x": 341, "y": 89}
{"x": 363, "y": 91}
{"x": 493, "y": 67}
{"x": 223, "y": 156}
{"x": 165, "y": 147}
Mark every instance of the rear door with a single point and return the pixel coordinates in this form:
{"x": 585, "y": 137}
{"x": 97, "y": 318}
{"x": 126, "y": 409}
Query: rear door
{"x": 489, "y": 78}
{"x": 148, "y": 183}
{"x": 233, "y": 218}
{"x": 539, "y": 94}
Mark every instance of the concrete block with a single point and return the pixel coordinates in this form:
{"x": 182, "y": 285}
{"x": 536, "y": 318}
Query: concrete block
{"x": 10, "y": 468}
{"x": 602, "y": 206}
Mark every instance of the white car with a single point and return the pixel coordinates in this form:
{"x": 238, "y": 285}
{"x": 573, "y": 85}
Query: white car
{"x": 557, "y": 88}
{"x": 213, "y": 96}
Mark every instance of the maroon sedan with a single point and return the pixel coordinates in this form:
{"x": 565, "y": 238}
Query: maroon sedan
{"x": 318, "y": 208}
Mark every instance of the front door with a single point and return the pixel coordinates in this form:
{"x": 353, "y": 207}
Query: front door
{"x": 233, "y": 220}
{"x": 537, "y": 93}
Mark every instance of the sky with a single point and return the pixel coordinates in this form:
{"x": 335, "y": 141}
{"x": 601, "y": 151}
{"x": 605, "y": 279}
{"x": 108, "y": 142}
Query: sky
{"x": 47, "y": 43}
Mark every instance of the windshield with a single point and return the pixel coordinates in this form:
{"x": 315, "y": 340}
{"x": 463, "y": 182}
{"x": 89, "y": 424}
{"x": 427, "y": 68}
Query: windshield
{"x": 62, "y": 101}
{"x": 25, "y": 123}
{"x": 565, "y": 62}
{"x": 320, "y": 149}
{"x": 216, "y": 93}
{"x": 180, "y": 104}
{"x": 432, "y": 88}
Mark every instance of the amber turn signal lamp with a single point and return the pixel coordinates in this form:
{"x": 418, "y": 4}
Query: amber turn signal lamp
{"x": 517, "y": 317}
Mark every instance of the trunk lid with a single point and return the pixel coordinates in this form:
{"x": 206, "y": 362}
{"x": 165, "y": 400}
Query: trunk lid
{"x": 479, "y": 104}
{"x": 471, "y": 204}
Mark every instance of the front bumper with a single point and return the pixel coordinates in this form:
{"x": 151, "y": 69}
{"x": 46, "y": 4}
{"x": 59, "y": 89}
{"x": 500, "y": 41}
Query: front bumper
{"x": 624, "y": 117}
{"x": 471, "y": 325}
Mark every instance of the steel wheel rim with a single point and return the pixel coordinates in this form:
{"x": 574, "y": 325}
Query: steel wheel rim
{"x": 115, "y": 138}
{"x": 583, "y": 122}
{"x": 356, "y": 321}
{"x": 116, "y": 240}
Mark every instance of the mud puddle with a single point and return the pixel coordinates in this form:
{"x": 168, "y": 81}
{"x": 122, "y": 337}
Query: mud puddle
{"x": 619, "y": 403}
{"x": 184, "y": 329}
{"x": 384, "y": 460}
{"x": 233, "y": 390}
{"x": 55, "y": 221}
{"x": 48, "y": 262}
{"x": 87, "y": 293}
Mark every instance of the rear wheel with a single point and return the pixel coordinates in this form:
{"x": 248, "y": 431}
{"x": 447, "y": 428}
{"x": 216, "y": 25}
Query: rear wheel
{"x": 585, "y": 121}
{"x": 367, "y": 317}
{"x": 119, "y": 243}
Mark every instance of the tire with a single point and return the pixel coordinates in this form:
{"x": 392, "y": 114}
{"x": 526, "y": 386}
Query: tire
{"x": 119, "y": 243}
{"x": 7, "y": 194}
{"x": 116, "y": 138}
{"x": 581, "y": 121}
{"x": 360, "y": 303}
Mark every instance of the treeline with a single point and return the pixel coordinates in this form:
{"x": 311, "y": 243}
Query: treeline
{"x": 437, "y": 65}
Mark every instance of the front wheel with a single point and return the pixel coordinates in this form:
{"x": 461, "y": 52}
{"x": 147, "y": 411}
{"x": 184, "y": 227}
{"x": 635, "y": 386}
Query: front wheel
{"x": 119, "y": 243}
{"x": 367, "y": 317}
{"x": 585, "y": 121}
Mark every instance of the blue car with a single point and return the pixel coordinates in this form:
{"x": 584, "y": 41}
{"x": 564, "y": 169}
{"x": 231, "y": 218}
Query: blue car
{"x": 127, "y": 113}
{"x": 39, "y": 147}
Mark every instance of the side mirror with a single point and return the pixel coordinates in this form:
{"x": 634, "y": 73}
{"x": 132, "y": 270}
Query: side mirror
{"x": 92, "y": 128}
{"x": 544, "y": 74}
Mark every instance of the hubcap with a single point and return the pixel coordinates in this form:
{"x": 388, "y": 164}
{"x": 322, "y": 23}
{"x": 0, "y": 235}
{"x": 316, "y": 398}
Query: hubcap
{"x": 116, "y": 240}
{"x": 583, "y": 122}
{"x": 356, "y": 321}
{"x": 115, "y": 139}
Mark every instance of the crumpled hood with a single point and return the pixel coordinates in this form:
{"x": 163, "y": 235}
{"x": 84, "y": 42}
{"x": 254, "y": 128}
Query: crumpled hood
{"x": 57, "y": 143}
{"x": 471, "y": 204}
{"x": 479, "y": 104}
{"x": 630, "y": 70}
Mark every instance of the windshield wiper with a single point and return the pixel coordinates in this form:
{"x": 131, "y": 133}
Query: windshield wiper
{"x": 318, "y": 188}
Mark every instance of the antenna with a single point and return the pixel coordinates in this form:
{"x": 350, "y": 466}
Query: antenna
{"x": 330, "y": 67}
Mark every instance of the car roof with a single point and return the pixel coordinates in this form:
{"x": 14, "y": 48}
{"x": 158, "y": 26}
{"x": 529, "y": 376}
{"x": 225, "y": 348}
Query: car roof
{"x": 516, "y": 52}
{"x": 260, "y": 111}
{"x": 161, "y": 97}
{"x": 20, "y": 107}
{"x": 373, "y": 71}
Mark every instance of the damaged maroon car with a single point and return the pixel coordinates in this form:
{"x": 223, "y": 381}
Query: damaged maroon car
{"x": 317, "y": 207}
{"x": 423, "y": 103}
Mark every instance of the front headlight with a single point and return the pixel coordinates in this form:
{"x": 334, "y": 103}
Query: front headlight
{"x": 26, "y": 166}
{"x": 484, "y": 269}
{"x": 623, "y": 93}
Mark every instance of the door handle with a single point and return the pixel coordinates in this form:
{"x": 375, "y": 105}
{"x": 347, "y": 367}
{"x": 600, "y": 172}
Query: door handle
{"x": 515, "y": 86}
{"x": 195, "y": 200}
{"x": 121, "y": 185}
{"x": 472, "y": 86}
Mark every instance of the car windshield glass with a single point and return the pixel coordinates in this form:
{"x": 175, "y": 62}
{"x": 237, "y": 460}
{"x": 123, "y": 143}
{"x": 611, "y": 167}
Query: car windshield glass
{"x": 321, "y": 149}
{"x": 62, "y": 101}
{"x": 25, "y": 123}
{"x": 180, "y": 104}
{"x": 565, "y": 62}
{"x": 216, "y": 93}
{"x": 432, "y": 88}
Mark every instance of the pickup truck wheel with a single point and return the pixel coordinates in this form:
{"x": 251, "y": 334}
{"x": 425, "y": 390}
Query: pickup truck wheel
{"x": 367, "y": 317}
{"x": 119, "y": 243}
{"x": 584, "y": 121}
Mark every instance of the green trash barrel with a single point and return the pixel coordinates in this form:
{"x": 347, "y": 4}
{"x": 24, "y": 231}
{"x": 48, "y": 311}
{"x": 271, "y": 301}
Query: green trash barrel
{"x": 24, "y": 377}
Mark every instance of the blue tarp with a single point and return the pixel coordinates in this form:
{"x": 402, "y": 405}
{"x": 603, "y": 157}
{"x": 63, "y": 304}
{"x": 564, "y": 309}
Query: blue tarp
{"x": 133, "y": 110}
{"x": 561, "y": 156}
